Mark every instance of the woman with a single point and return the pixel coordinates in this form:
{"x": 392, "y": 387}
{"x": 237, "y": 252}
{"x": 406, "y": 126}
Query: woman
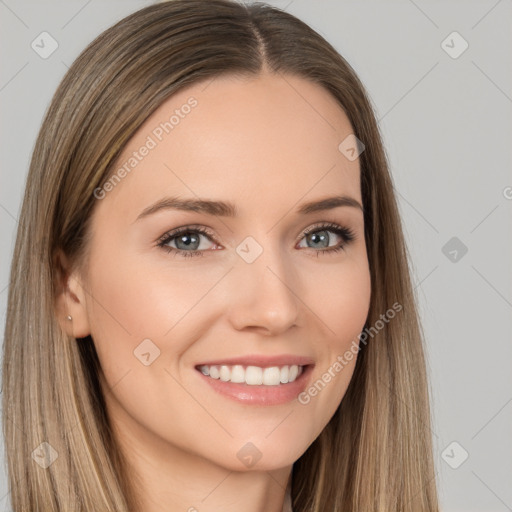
{"x": 283, "y": 367}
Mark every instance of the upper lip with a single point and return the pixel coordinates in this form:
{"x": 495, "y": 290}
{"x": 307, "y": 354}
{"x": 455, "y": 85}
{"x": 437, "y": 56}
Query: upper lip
{"x": 261, "y": 360}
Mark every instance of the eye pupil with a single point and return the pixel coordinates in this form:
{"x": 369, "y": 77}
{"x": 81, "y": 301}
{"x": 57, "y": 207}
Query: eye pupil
{"x": 192, "y": 239}
{"x": 318, "y": 237}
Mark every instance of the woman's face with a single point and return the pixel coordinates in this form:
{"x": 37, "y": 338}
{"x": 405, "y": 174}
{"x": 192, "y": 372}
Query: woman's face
{"x": 250, "y": 289}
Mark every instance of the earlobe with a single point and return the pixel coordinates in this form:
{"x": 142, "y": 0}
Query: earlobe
{"x": 70, "y": 299}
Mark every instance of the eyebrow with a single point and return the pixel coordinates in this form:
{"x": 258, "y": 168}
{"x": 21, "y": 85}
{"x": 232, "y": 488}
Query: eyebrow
{"x": 227, "y": 209}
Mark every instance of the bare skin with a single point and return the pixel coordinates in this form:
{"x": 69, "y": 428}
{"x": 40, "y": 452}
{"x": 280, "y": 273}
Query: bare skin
{"x": 268, "y": 145}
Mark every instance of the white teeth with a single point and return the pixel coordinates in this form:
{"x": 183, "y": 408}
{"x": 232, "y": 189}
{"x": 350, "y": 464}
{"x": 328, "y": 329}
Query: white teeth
{"x": 238, "y": 374}
{"x": 271, "y": 376}
{"x": 225, "y": 373}
{"x": 253, "y": 375}
{"x": 285, "y": 371}
{"x": 294, "y": 370}
{"x": 214, "y": 372}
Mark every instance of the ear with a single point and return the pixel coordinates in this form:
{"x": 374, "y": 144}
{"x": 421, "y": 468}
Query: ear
{"x": 70, "y": 298}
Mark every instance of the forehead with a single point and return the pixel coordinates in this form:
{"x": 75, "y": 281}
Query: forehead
{"x": 270, "y": 139}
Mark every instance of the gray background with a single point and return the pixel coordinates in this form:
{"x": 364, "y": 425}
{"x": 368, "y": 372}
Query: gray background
{"x": 447, "y": 128}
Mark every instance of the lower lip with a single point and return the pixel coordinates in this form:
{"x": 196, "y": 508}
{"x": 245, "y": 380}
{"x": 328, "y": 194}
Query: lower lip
{"x": 261, "y": 395}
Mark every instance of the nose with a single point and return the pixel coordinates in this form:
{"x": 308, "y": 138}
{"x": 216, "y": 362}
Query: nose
{"x": 263, "y": 296}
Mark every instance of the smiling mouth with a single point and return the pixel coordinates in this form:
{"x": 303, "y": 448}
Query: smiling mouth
{"x": 253, "y": 375}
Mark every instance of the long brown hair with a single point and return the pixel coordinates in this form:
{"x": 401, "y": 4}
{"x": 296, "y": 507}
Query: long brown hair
{"x": 375, "y": 454}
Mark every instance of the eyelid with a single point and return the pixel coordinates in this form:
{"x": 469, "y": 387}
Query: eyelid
{"x": 348, "y": 233}
{"x": 184, "y": 229}
{"x": 344, "y": 231}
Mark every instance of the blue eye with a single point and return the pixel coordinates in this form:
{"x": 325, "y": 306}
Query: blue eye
{"x": 320, "y": 235}
{"x": 187, "y": 239}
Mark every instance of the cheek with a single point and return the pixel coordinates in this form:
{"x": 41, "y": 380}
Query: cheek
{"x": 342, "y": 309}
{"x": 136, "y": 309}
{"x": 137, "y": 300}
{"x": 340, "y": 298}
{"x": 142, "y": 321}
{"x": 126, "y": 305}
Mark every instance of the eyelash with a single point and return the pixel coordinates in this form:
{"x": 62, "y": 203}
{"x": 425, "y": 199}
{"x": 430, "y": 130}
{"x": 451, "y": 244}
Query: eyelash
{"x": 345, "y": 233}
